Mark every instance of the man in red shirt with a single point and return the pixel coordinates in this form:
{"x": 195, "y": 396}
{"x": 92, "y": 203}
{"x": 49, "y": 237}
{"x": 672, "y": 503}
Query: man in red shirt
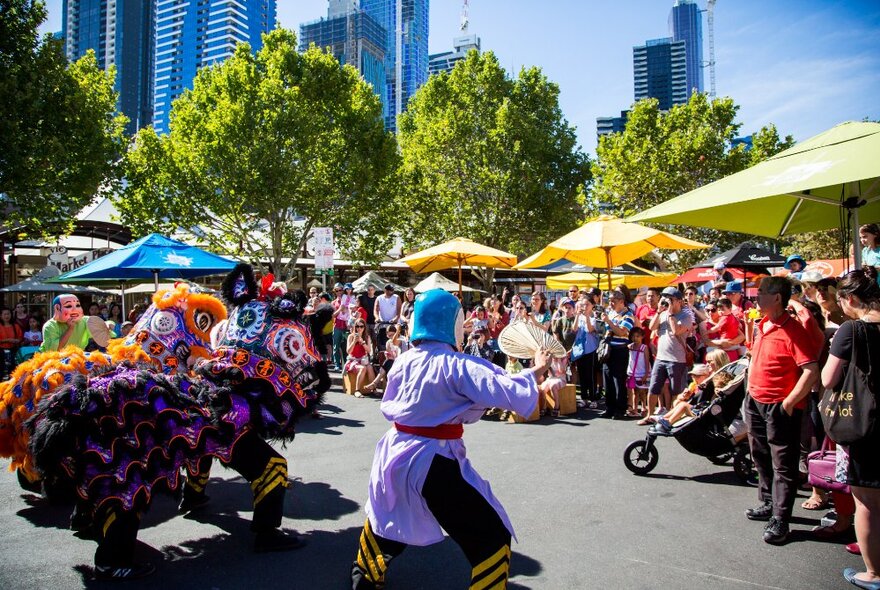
{"x": 782, "y": 371}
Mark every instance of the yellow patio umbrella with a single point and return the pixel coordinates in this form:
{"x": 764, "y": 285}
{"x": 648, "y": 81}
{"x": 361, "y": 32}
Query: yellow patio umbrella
{"x": 607, "y": 242}
{"x": 586, "y": 279}
{"x": 456, "y": 253}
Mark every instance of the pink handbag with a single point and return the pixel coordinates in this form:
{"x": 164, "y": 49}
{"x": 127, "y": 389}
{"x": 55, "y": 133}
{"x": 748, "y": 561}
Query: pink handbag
{"x": 821, "y": 466}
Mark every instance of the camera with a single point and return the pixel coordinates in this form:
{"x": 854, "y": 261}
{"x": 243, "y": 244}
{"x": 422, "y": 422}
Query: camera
{"x": 664, "y": 302}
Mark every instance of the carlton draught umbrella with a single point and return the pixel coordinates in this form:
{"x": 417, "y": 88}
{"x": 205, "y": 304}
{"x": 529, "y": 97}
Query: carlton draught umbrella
{"x": 811, "y": 186}
{"x": 607, "y": 242}
{"x": 456, "y": 253}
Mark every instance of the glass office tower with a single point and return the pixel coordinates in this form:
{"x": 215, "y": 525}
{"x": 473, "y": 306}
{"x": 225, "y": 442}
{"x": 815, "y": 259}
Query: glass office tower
{"x": 191, "y": 34}
{"x": 660, "y": 71}
{"x": 121, "y": 34}
{"x": 686, "y": 24}
{"x": 406, "y": 50}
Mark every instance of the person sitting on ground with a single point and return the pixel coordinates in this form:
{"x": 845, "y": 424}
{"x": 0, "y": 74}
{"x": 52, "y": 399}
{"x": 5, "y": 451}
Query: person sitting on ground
{"x": 359, "y": 348}
{"x": 396, "y": 344}
{"x": 69, "y": 326}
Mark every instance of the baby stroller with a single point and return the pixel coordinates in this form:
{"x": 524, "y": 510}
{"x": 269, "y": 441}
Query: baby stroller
{"x": 717, "y": 432}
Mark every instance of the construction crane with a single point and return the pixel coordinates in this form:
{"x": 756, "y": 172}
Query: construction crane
{"x": 710, "y": 20}
{"x": 465, "y": 19}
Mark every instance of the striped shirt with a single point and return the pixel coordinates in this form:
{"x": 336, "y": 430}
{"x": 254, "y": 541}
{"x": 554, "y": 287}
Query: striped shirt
{"x": 623, "y": 319}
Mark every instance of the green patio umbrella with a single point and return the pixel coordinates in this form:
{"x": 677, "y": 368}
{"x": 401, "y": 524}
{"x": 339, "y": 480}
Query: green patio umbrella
{"x": 809, "y": 187}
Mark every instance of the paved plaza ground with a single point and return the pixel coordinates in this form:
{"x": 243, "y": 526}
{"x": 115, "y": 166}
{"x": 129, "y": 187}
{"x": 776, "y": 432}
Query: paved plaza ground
{"x": 582, "y": 519}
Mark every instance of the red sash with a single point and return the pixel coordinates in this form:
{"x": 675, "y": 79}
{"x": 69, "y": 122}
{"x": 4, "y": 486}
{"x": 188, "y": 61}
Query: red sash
{"x": 443, "y": 431}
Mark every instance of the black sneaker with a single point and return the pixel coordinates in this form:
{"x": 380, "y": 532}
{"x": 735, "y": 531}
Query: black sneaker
{"x": 776, "y": 531}
{"x": 762, "y": 512}
{"x": 277, "y": 540}
{"x": 192, "y": 502}
{"x": 133, "y": 572}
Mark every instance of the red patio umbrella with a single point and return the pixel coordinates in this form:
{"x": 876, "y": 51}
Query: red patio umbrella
{"x": 703, "y": 275}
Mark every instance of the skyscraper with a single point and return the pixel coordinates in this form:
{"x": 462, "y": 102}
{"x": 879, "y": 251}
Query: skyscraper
{"x": 121, "y": 34}
{"x": 444, "y": 62}
{"x": 660, "y": 71}
{"x": 355, "y": 38}
{"x": 406, "y": 50}
{"x": 192, "y": 34}
{"x": 609, "y": 125}
{"x": 686, "y": 24}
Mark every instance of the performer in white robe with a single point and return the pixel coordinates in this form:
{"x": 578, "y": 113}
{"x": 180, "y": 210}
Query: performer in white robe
{"x": 421, "y": 482}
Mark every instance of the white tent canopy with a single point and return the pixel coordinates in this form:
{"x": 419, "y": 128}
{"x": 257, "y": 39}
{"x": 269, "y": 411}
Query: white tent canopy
{"x": 373, "y": 278}
{"x": 438, "y": 281}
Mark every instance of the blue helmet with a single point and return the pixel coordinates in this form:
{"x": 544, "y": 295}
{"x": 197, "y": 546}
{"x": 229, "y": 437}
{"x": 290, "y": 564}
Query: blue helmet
{"x": 438, "y": 316}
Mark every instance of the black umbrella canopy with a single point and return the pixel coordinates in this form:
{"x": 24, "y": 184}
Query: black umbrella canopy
{"x": 746, "y": 256}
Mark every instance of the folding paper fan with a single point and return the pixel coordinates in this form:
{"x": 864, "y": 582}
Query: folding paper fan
{"x": 522, "y": 340}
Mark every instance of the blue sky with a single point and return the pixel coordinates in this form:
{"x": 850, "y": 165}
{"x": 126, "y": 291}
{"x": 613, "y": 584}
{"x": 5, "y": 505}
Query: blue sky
{"x": 805, "y": 65}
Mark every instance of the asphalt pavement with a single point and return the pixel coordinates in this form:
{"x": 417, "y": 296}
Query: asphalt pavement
{"x": 582, "y": 519}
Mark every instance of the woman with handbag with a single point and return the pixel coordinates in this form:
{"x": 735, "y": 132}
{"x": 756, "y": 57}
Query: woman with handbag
{"x": 854, "y": 353}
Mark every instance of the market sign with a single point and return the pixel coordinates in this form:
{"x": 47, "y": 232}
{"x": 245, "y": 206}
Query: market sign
{"x": 58, "y": 257}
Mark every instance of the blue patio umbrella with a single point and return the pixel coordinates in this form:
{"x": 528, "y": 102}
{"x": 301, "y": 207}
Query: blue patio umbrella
{"x": 151, "y": 257}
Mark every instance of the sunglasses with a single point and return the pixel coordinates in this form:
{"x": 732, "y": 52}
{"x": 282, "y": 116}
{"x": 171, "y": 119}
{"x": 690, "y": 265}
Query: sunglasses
{"x": 360, "y": 326}
{"x": 710, "y": 309}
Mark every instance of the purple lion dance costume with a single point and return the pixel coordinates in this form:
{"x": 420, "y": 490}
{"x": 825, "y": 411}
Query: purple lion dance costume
{"x": 120, "y": 435}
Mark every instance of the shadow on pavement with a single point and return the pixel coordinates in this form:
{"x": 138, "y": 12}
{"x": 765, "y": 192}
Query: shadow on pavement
{"x": 728, "y": 478}
{"x": 227, "y": 561}
{"x": 331, "y": 419}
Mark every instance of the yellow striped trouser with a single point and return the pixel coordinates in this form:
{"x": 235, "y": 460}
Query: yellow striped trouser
{"x": 492, "y": 572}
{"x": 370, "y": 559}
{"x": 274, "y": 475}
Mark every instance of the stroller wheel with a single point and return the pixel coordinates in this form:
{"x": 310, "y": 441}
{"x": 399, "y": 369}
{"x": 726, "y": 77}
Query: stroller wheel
{"x": 640, "y": 460}
{"x": 745, "y": 468}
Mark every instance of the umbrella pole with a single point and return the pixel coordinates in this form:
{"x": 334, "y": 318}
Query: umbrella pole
{"x": 122, "y": 287}
{"x": 459, "y": 279}
{"x": 156, "y": 279}
{"x": 857, "y": 245}
{"x": 608, "y": 261}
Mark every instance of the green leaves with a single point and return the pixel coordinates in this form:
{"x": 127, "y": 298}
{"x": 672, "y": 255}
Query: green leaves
{"x": 60, "y": 133}
{"x": 263, "y": 148}
{"x": 490, "y": 158}
{"x": 661, "y": 155}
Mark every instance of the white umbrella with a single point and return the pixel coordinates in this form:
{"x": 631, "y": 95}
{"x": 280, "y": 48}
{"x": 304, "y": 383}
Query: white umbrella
{"x": 438, "y": 281}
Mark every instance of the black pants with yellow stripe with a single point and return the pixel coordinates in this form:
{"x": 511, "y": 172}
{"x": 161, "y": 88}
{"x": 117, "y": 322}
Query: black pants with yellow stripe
{"x": 252, "y": 457}
{"x": 464, "y": 514}
{"x": 266, "y": 471}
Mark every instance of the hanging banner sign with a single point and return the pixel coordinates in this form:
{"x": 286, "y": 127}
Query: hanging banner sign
{"x": 324, "y": 249}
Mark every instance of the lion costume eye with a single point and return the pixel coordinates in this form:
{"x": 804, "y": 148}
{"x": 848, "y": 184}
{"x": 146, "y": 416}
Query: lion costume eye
{"x": 204, "y": 320}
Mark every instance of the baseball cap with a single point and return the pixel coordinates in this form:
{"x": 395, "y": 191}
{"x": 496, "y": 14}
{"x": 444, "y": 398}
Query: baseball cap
{"x": 733, "y": 287}
{"x": 566, "y": 301}
{"x": 671, "y": 292}
{"x": 389, "y": 287}
{"x": 720, "y": 265}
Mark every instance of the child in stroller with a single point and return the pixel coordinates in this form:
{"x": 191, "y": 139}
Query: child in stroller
{"x": 710, "y": 433}
{"x": 693, "y": 400}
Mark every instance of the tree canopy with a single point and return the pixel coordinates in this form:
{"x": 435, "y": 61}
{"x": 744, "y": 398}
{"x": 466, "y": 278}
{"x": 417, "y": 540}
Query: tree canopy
{"x": 60, "y": 132}
{"x": 490, "y": 158}
{"x": 661, "y": 155}
{"x": 264, "y": 148}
